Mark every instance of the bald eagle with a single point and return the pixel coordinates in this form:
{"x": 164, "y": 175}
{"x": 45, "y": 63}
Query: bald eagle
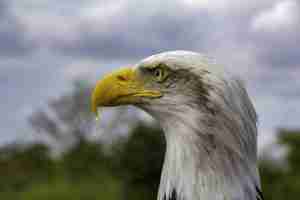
{"x": 208, "y": 120}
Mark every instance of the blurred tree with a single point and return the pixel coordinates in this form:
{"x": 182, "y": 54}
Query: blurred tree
{"x": 23, "y": 166}
{"x": 283, "y": 181}
{"x": 84, "y": 161}
{"x": 131, "y": 171}
{"x": 138, "y": 162}
{"x": 68, "y": 118}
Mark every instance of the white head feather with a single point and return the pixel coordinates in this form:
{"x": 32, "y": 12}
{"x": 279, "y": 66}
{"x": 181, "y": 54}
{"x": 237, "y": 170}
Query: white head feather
{"x": 210, "y": 131}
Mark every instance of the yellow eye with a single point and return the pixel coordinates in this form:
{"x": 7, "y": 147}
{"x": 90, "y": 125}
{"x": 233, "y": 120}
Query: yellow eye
{"x": 159, "y": 74}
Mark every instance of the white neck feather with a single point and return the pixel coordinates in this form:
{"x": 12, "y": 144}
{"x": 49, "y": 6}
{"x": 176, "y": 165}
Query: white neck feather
{"x": 200, "y": 177}
{"x": 210, "y": 162}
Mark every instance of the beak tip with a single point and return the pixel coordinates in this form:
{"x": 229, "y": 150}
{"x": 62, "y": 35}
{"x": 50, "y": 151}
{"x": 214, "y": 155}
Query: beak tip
{"x": 94, "y": 108}
{"x": 96, "y": 112}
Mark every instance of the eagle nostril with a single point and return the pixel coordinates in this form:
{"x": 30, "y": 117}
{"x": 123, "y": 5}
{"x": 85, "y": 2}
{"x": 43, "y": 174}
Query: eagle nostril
{"x": 121, "y": 78}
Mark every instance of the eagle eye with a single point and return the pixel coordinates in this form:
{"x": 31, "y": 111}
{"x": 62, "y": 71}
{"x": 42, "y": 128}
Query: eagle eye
{"x": 159, "y": 74}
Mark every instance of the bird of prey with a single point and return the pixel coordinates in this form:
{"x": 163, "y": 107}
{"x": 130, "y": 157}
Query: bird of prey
{"x": 209, "y": 124}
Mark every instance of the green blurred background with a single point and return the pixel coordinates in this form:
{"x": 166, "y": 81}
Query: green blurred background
{"x": 127, "y": 168}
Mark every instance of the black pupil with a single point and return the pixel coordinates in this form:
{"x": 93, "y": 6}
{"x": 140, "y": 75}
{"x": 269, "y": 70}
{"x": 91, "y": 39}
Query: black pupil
{"x": 157, "y": 72}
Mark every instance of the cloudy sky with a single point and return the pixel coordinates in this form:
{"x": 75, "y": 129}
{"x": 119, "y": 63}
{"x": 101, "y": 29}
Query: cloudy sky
{"x": 45, "y": 44}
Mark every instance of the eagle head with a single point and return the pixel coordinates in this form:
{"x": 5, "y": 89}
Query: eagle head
{"x": 207, "y": 117}
{"x": 162, "y": 84}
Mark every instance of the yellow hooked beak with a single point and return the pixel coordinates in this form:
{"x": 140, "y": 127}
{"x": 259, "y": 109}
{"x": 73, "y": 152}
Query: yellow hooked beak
{"x": 121, "y": 87}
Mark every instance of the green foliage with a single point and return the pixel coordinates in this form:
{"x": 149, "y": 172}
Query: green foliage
{"x": 131, "y": 171}
{"x": 81, "y": 173}
{"x": 84, "y": 161}
{"x": 139, "y": 162}
{"x": 107, "y": 188}
{"x": 283, "y": 181}
{"x": 21, "y": 167}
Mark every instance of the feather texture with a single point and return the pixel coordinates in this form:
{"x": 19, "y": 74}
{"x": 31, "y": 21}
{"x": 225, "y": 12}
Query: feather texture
{"x": 210, "y": 130}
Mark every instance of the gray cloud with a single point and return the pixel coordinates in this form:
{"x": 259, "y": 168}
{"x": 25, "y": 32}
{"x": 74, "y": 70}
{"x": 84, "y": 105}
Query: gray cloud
{"x": 279, "y": 50}
{"x": 276, "y": 34}
{"x": 125, "y": 30}
{"x": 13, "y": 42}
{"x": 78, "y": 39}
{"x": 129, "y": 33}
